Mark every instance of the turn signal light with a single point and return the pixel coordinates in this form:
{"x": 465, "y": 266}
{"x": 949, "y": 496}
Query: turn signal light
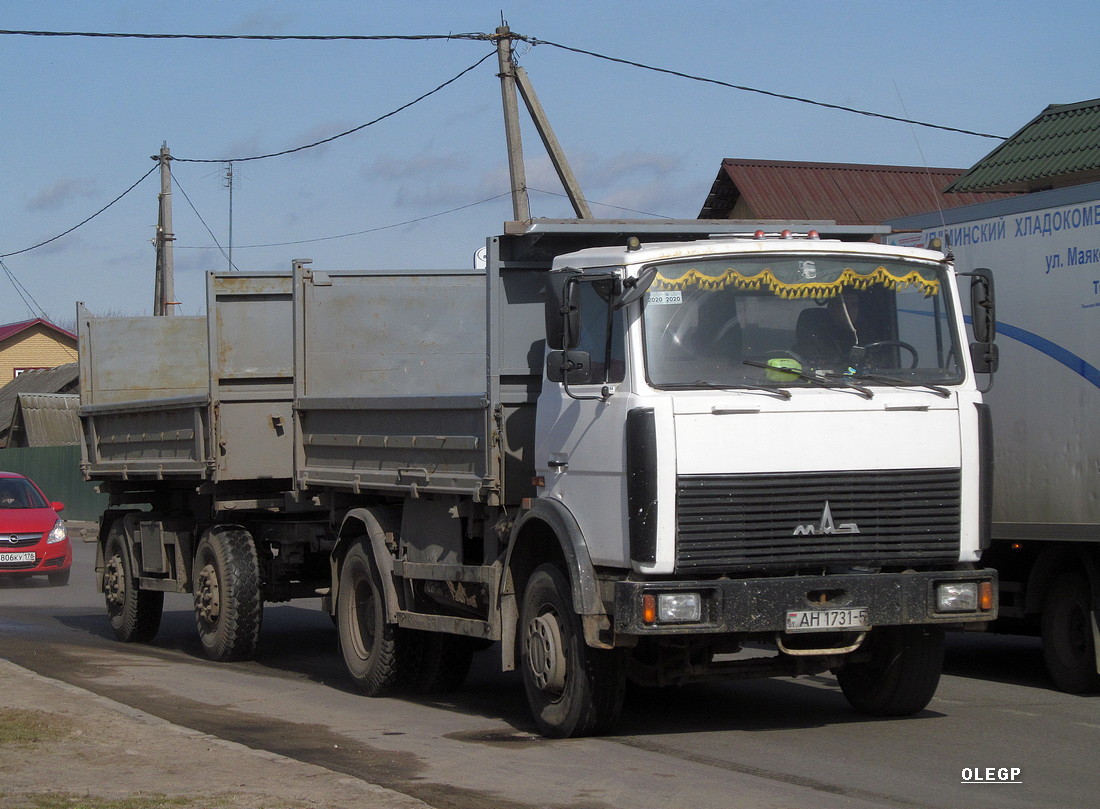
{"x": 985, "y": 596}
{"x": 649, "y": 609}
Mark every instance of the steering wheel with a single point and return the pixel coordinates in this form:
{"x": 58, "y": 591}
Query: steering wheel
{"x": 893, "y": 344}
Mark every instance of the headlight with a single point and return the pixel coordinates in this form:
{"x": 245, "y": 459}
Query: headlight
{"x": 58, "y": 532}
{"x": 674, "y": 608}
{"x": 957, "y": 597}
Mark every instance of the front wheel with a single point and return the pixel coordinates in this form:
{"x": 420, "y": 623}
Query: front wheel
{"x": 896, "y": 671}
{"x": 134, "y": 613}
{"x": 228, "y": 602}
{"x": 1068, "y": 646}
{"x": 572, "y": 690}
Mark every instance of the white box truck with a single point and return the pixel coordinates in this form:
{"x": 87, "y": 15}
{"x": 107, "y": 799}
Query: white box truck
{"x": 1044, "y": 251}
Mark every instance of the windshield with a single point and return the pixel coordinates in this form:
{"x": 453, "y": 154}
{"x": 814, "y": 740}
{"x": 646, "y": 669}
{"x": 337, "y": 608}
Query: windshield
{"x": 19, "y": 493}
{"x": 826, "y": 319}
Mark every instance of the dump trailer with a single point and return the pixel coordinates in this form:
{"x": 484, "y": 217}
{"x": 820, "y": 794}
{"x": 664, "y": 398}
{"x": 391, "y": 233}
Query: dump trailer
{"x": 646, "y": 451}
{"x": 1046, "y": 415}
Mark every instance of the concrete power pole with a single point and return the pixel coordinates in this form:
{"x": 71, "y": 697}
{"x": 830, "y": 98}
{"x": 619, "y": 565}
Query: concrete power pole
{"x": 511, "y": 77}
{"x": 521, "y": 206}
{"x": 164, "y": 293}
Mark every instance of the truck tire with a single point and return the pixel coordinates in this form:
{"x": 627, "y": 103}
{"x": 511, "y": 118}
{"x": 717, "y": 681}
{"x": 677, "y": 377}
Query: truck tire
{"x": 901, "y": 675}
{"x": 228, "y": 602}
{"x": 1068, "y": 646}
{"x": 381, "y": 657}
{"x": 444, "y": 663}
{"x": 572, "y": 690}
{"x": 134, "y": 613}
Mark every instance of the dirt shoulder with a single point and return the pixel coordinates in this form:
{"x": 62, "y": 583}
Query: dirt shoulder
{"x": 60, "y": 740}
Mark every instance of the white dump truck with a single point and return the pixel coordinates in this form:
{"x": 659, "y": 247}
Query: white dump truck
{"x": 655, "y": 451}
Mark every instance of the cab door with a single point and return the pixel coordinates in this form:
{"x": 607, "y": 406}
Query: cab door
{"x": 580, "y": 425}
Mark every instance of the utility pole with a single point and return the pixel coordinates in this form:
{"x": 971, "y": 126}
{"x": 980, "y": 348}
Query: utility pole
{"x": 229, "y": 182}
{"x": 521, "y": 206}
{"x": 511, "y": 77}
{"x": 164, "y": 294}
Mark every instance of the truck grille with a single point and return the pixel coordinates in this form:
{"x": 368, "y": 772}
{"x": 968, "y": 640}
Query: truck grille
{"x": 780, "y": 521}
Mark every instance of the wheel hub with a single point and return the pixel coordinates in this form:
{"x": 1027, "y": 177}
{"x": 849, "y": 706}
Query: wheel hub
{"x": 208, "y": 595}
{"x": 545, "y": 655}
{"x": 114, "y": 582}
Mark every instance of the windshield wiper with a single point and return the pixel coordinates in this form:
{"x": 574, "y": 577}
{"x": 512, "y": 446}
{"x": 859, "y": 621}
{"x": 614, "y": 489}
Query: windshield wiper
{"x": 817, "y": 380}
{"x": 783, "y": 393}
{"x": 904, "y": 383}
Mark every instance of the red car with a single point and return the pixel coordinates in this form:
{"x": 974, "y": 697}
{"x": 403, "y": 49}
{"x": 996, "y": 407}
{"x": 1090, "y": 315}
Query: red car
{"x": 33, "y": 539}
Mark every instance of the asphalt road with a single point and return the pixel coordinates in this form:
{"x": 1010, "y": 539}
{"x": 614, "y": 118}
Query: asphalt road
{"x": 771, "y": 743}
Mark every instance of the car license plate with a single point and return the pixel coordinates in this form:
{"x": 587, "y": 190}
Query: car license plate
{"x": 824, "y": 620}
{"x": 26, "y": 556}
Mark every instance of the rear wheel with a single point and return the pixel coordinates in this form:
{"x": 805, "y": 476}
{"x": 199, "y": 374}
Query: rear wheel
{"x": 896, "y": 671}
{"x": 228, "y": 602}
{"x": 379, "y": 656}
{"x": 134, "y": 613}
{"x": 444, "y": 663}
{"x": 572, "y": 690}
{"x": 1069, "y": 648}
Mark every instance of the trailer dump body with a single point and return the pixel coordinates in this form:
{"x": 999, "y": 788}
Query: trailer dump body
{"x": 621, "y": 449}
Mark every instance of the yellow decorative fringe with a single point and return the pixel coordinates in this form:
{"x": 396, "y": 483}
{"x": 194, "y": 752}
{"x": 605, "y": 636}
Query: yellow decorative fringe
{"x": 814, "y": 289}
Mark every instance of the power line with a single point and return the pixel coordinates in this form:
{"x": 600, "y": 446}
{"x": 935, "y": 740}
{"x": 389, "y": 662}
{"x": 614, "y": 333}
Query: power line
{"x": 534, "y": 41}
{"x": 86, "y": 221}
{"x": 254, "y": 37}
{"x": 492, "y": 38}
{"x": 217, "y": 244}
{"x": 602, "y": 204}
{"x": 358, "y": 232}
{"x": 23, "y": 293}
{"x": 342, "y": 134}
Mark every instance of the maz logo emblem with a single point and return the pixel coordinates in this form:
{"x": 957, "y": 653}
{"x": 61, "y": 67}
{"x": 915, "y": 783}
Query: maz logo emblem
{"x": 826, "y": 526}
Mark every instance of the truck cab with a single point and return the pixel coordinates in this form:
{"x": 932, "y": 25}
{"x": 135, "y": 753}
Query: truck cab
{"x": 769, "y": 440}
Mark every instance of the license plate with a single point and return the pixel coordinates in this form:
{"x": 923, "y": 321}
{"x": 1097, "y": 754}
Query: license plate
{"x": 26, "y": 556}
{"x": 824, "y": 620}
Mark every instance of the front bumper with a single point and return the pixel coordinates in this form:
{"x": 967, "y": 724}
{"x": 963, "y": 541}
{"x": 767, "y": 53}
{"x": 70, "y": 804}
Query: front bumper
{"x": 48, "y": 558}
{"x": 761, "y": 605}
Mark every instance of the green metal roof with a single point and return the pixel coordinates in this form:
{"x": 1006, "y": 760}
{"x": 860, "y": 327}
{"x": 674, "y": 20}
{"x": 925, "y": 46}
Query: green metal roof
{"x": 1059, "y": 147}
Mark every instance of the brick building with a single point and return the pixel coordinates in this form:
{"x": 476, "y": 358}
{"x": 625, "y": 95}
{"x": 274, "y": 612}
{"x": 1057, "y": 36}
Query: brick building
{"x": 34, "y": 344}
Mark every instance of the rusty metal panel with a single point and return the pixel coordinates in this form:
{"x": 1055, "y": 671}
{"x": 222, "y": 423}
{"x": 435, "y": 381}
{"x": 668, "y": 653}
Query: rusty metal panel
{"x": 391, "y": 334}
{"x": 251, "y": 331}
{"x": 391, "y": 382}
{"x": 847, "y": 193}
{"x": 128, "y": 359}
{"x": 252, "y": 380}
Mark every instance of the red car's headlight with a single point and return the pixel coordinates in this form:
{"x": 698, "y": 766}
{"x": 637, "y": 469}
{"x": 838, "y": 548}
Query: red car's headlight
{"x": 58, "y": 532}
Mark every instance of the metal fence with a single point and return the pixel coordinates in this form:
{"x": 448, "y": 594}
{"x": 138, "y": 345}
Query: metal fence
{"x": 56, "y": 470}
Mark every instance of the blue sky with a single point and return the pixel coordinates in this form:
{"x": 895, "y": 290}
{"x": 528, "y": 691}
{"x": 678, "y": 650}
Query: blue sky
{"x": 83, "y": 116}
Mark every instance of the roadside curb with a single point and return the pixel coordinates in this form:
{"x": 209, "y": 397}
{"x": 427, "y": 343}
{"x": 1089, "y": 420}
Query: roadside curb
{"x": 140, "y": 734}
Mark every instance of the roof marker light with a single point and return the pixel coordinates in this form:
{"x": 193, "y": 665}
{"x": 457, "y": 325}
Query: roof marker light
{"x": 759, "y": 234}
{"x": 786, "y": 234}
{"x": 813, "y": 234}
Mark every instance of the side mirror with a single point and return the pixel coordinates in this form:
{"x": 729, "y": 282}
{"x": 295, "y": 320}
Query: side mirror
{"x": 985, "y": 356}
{"x": 634, "y": 288}
{"x": 983, "y": 320}
{"x": 983, "y": 307}
{"x": 562, "y": 313}
{"x": 57, "y": 506}
{"x": 572, "y": 367}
